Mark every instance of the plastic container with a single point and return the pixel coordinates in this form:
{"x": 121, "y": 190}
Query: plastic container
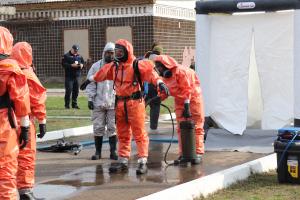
{"x": 287, "y": 148}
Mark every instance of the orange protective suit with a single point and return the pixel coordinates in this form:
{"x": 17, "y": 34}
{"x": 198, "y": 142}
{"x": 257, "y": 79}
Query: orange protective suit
{"x": 123, "y": 80}
{"x": 12, "y": 82}
{"x": 185, "y": 85}
{"x": 22, "y": 53}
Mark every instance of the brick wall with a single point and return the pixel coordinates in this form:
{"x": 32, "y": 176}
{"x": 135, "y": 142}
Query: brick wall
{"x": 79, "y": 3}
{"x": 46, "y": 38}
{"x": 174, "y": 35}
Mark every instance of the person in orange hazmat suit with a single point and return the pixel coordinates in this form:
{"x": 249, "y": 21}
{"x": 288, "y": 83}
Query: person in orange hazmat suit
{"x": 130, "y": 106}
{"x": 184, "y": 86}
{"x": 14, "y": 102}
{"x": 22, "y": 53}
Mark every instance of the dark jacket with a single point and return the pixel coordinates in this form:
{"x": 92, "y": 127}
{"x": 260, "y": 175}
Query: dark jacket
{"x": 69, "y": 59}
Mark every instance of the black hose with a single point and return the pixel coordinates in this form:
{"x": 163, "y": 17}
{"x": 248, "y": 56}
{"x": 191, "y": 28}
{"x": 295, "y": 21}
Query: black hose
{"x": 173, "y": 128}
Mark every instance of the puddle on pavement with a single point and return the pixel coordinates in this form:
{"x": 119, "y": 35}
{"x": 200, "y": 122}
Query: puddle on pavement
{"x": 88, "y": 177}
{"x": 51, "y": 192}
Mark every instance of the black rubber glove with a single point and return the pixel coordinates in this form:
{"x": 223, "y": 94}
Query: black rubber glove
{"x": 43, "y": 130}
{"x": 23, "y": 139}
{"x": 91, "y": 105}
{"x": 162, "y": 86}
{"x": 187, "y": 111}
{"x": 85, "y": 84}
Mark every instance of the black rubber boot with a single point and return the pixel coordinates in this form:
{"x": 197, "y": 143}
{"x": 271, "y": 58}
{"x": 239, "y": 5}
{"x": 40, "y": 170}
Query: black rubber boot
{"x": 75, "y": 107}
{"x": 118, "y": 167}
{"x": 180, "y": 161}
{"x": 29, "y": 196}
{"x": 197, "y": 160}
{"x": 142, "y": 169}
{"x": 98, "y": 146}
{"x": 113, "y": 147}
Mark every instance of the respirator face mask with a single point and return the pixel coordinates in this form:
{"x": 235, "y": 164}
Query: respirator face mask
{"x": 162, "y": 70}
{"x": 3, "y": 56}
{"x": 121, "y": 53}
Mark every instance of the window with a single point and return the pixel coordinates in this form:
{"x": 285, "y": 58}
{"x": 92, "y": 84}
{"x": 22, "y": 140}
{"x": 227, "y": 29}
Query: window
{"x": 77, "y": 36}
{"x": 114, "y": 33}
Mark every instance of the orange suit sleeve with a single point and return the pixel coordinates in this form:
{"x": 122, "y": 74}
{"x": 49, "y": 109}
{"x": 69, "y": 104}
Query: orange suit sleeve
{"x": 106, "y": 72}
{"x": 148, "y": 74}
{"x": 185, "y": 84}
{"x": 37, "y": 100}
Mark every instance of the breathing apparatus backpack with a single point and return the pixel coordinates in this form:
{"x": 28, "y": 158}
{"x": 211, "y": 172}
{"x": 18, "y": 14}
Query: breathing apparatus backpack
{"x": 137, "y": 75}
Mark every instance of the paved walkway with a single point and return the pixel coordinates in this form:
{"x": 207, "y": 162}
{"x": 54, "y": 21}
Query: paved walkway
{"x": 66, "y": 176}
{"x": 77, "y": 177}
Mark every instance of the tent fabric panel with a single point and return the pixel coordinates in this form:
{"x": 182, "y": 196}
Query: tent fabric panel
{"x": 229, "y": 66}
{"x": 273, "y": 34}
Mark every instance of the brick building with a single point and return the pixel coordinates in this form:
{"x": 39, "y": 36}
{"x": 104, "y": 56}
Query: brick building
{"x": 52, "y": 26}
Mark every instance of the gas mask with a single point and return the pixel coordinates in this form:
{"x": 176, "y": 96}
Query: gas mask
{"x": 108, "y": 57}
{"x": 167, "y": 74}
{"x": 3, "y": 56}
{"x": 121, "y": 53}
{"x": 162, "y": 70}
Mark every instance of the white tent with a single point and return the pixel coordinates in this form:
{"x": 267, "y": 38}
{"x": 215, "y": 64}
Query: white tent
{"x": 248, "y": 63}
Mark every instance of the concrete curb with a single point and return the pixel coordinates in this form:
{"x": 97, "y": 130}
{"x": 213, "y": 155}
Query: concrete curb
{"x": 167, "y": 117}
{"x": 56, "y": 90}
{"x": 217, "y": 181}
{"x": 54, "y": 135}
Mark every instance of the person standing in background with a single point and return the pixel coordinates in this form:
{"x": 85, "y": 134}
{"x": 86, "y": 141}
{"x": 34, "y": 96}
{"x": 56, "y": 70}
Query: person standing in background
{"x": 73, "y": 64}
{"x": 101, "y": 100}
{"x": 22, "y": 53}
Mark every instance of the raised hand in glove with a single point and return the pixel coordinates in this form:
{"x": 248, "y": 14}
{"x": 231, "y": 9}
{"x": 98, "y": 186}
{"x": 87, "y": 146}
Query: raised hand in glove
{"x": 187, "y": 111}
{"x": 162, "y": 86}
{"x": 23, "y": 138}
{"x": 90, "y": 105}
{"x": 43, "y": 130}
{"x": 85, "y": 84}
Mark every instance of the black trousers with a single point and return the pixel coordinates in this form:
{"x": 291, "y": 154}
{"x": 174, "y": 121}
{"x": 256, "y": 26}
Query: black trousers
{"x": 154, "y": 112}
{"x": 154, "y": 105}
{"x": 72, "y": 87}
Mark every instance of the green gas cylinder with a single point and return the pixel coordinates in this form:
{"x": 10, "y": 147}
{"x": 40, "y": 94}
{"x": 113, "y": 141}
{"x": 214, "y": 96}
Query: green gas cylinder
{"x": 188, "y": 143}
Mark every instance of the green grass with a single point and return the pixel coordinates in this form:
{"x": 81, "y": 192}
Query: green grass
{"x": 58, "y": 124}
{"x": 55, "y": 107}
{"x": 54, "y": 85}
{"x": 257, "y": 187}
{"x": 169, "y": 102}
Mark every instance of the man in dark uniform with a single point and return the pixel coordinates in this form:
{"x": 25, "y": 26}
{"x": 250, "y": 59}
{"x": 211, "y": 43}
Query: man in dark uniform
{"x": 73, "y": 64}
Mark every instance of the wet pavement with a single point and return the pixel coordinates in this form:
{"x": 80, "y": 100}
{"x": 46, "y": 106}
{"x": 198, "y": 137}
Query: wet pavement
{"x": 66, "y": 176}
